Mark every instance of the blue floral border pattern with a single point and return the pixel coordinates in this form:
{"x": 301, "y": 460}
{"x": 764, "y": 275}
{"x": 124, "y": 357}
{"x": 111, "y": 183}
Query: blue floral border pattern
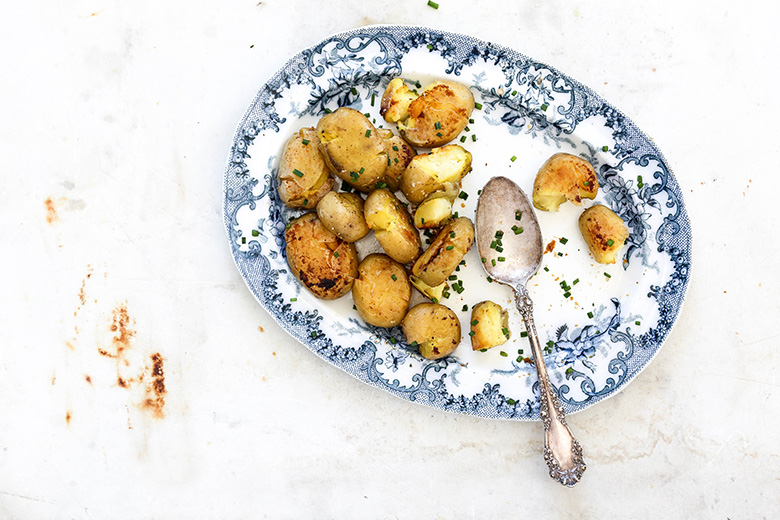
{"x": 551, "y": 107}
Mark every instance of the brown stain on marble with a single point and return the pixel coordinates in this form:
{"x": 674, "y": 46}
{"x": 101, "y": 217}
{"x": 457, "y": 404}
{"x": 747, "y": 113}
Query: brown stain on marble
{"x": 68, "y": 417}
{"x": 155, "y": 389}
{"x": 87, "y": 379}
{"x": 51, "y": 211}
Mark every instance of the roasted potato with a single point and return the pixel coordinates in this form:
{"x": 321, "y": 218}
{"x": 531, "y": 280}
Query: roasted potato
{"x": 392, "y": 226}
{"x": 304, "y": 177}
{"x": 381, "y": 291}
{"x": 445, "y": 252}
{"x": 604, "y": 232}
{"x": 396, "y": 101}
{"x": 325, "y": 264}
{"x": 434, "y": 294}
{"x": 352, "y": 147}
{"x": 435, "y": 210}
{"x": 342, "y": 214}
{"x": 434, "y": 328}
{"x": 432, "y": 119}
{"x": 489, "y": 325}
{"x": 564, "y": 177}
{"x": 399, "y": 155}
{"x": 440, "y": 170}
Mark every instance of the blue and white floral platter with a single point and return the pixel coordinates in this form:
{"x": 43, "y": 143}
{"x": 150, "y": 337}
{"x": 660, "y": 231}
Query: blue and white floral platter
{"x": 597, "y": 339}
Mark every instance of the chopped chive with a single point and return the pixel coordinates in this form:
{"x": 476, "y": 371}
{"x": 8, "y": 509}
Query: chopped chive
{"x": 471, "y": 121}
{"x": 433, "y": 4}
{"x": 590, "y": 315}
{"x": 414, "y": 343}
{"x": 637, "y": 323}
{"x": 523, "y": 334}
{"x": 362, "y": 169}
{"x": 395, "y": 159}
{"x": 465, "y": 308}
{"x": 608, "y": 275}
{"x": 518, "y": 215}
{"x": 517, "y": 229}
{"x": 569, "y": 370}
{"x": 463, "y": 195}
{"x": 305, "y": 141}
{"x": 380, "y": 185}
{"x": 514, "y": 92}
{"x": 514, "y": 158}
{"x": 437, "y": 125}
{"x": 439, "y": 134}
{"x": 417, "y": 84}
{"x": 368, "y": 133}
{"x": 499, "y": 234}
{"x": 373, "y": 96}
{"x": 354, "y": 175}
{"x": 586, "y": 183}
{"x": 395, "y": 148}
{"x": 504, "y": 354}
{"x": 479, "y": 192}
{"x": 550, "y": 344}
{"x": 452, "y": 277}
{"x": 474, "y": 137}
{"x": 430, "y": 47}
{"x": 422, "y": 220}
{"x": 505, "y": 331}
{"x": 392, "y": 341}
{"x": 388, "y": 160}
{"x": 471, "y": 333}
{"x": 605, "y": 148}
{"x": 576, "y": 281}
{"x": 478, "y": 106}
{"x": 463, "y": 139}
{"x": 449, "y": 248}
{"x": 519, "y": 359}
{"x": 293, "y": 299}
{"x": 493, "y": 261}
{"x": 328, "y": 111}
{"x": 452, "y": 234}
{"x": 489, "y": 279}
{"x": 394, "y": 277}
{"x": 566, "y": 294}
{"x": 546, "y": 269}
{"x": 243, "y": 240}
{"x": 305, "y": 202}
{"x": 484, "y": 259}
{"x": 563, "y": 240}
{"x": 544, "y": 107}
{"x": 493, "y": 244}
{"x": 501, "y": 259}
{"x": 354, "y": 308}
{"x": 354, "y": 91}
{"x": 639, "y": 181}
{"x": 467, "y": 129}
{"x": 474, "y": 322}
{"x": 298, "y": 172}
{"x": 435, "y": 300}
{"x": 500, "y": 249}
{"x": 610, "y": 242}
{"x": 482, "y": 349}
{"x": 335, "y": 254}
{"x": 510, "y": 401}
{"x": 255, "y": 233}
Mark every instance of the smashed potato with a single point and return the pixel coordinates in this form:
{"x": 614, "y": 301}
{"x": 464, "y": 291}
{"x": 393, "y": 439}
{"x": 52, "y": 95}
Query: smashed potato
{"x": 564, "y": 177}
{"x": 399, "y": 155}
{"x": 433, "y": 118}
{"x": 445, "y": 252}
{"x": 489, "y": 325}
{"x": 353, "y": 148}
{"x": 434, "y": 211}
{"x": 381, "y": 291}
{"x": 304, "y": 177}
{"x": 342, "y": 214}
{"x": 604, "y": 232}
{"x": 432, "y": 327}
{"x": 325, "y": 264}
{"x": 440, "y": 170}
{"x": 392, "y": 226}
{"x": 435, "y": 294}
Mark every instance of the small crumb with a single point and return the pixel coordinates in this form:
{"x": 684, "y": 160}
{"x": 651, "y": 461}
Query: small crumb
{"x": 261, "y": 329}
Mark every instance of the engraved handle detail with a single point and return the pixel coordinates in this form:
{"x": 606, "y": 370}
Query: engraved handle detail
{"x": 562, "y": 452}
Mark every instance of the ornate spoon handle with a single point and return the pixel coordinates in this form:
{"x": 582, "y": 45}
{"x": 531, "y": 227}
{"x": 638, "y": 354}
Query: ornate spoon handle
{"x": 562, "y": 452}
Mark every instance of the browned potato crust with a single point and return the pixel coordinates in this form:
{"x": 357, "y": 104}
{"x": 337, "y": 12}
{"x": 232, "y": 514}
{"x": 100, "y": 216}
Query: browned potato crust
{"x": 381, "y": 291}
{"x": 325, "y": 264}
{"x": 304, "y": 177}
{"x": 392, "y": 226}
{"x": 564, "y": 177}
{"x": 604, "y": 232}
{"x": 352, "y": 147}
{"x": 445, "y": 252}
{"x": 342, "y": 214}
{"x": 432, "y": 327}
{"x": 399, "y": 155}
{"x": 440, "y": 113}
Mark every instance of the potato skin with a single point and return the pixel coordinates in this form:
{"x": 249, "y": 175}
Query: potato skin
{"x": 303, "y": 191}
{"x": 438, "y": 115}
{"x": 599, "y": 225}
{"x": 445, "y": 252}
{"x": 352, "y": 147}
{"x": 325, "y": 264}
{"x": 564, "y": 177}
{"x": 396, "y": 100}
{"x": 381, "y": 291}
{"x": 440, "y": 170}
{"x": 392, "y": 226}
{"x": 399, "y": 154}
{"x": 342, "y": 214}
{"x": 488, "y": 322}
{"x": 434, "y": 328}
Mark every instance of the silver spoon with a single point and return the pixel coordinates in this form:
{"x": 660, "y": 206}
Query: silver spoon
{"x": 505, "y": 217}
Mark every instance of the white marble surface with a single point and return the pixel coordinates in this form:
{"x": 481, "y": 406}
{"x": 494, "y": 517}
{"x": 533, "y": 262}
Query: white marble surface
{"x": 121, "y": 114}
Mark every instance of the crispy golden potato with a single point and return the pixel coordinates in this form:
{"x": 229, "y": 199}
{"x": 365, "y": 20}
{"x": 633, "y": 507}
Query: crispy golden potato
{"x": 604, "y": 232}
{"x": 434, "y": 210}
{"x": 392, "y": 226}
{"x": 489, "y": 325}
{"x": 352, "y": 147}
{"x": 445, "y": 252}
{"x": 342, "y": 214}
{"x": 440, "y": 170}
{"x": 381, "y": 291}
{"x": 437, "y": 116}
{"x": 564, "y": 177}
{"x": 304, "y": 177}
{"x": 396, "y": 100}
{"x": 325, "y": 264}
{"x": 432, "y": 327}
{"x": 434, "y": 294}
{"x": 399, "y": 155}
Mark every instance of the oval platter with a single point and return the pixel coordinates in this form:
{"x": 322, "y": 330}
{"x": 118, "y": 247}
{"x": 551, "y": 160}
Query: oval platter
{"x": 600, "y": 324}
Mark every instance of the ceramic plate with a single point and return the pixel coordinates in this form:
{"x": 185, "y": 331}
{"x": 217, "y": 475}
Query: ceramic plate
{"x": 597, "y": 338}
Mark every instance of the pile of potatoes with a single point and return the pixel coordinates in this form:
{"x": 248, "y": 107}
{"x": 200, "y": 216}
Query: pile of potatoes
{"x": 377, "y": 163}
